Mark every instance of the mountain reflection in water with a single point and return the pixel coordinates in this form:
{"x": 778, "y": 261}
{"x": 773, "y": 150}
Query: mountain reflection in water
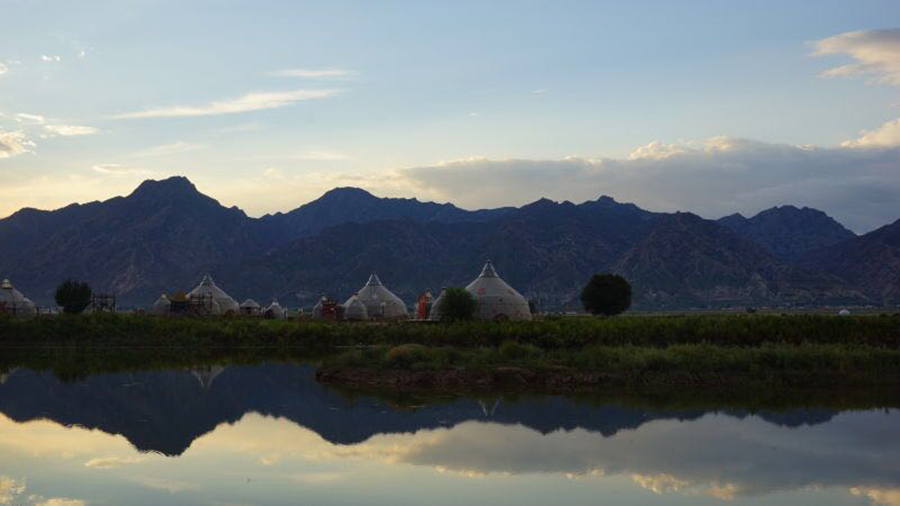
{"x": 272, "y": 434}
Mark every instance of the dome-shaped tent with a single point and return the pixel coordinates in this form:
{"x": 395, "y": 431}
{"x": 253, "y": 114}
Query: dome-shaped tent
{"x": 355, "y": 310}
{"x": 319, "y": 310}
{"x": 12, "y": 301}
{"x": 496, "y": 299}
{"x": 276, "y": 311}
{"x": 249, "y": 307}
{"x": 223, "y": 302}
{"x": 162, "y": 306}
{"x": 381, "y": 302}
{"x": 435, "y": 313}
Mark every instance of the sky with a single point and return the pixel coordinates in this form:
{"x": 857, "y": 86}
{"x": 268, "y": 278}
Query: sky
{"x": 703, "y": 106}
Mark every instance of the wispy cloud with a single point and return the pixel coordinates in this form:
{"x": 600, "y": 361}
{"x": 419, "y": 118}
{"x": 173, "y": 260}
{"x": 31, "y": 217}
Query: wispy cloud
{"x": 169, "y": 149}
{"x": 54, "y": 128}
{"x": 3, "y": 69}
{"x": 111, "y": 462}
{"x": 329, "y": 73}
{"x": 13, "y": 144}
{"x": 877, "y": 53}
{"x": 246, "y": 103}
{"x": 51, "y": 58}
{"x": 117, "y": 170}
{"x": 69, "y": 130}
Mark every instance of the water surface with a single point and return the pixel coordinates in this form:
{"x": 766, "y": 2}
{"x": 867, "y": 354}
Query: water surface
{"x": 269, "y": 434}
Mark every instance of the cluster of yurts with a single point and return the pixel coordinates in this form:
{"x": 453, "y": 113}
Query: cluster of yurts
{"x": 496, "y": 301}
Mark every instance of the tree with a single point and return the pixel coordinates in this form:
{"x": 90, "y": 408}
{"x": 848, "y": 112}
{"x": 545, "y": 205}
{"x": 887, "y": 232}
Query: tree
{"x": 457, "y": 304}
{"x": 74, "y": 296}
{"x": 606, "y": 294}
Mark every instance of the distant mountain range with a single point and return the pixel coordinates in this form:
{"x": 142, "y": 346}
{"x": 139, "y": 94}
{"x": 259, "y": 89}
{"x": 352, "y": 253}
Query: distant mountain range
{"x": 165, "y": 235}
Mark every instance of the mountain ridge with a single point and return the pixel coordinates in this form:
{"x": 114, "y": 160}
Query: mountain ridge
{"x": 165, "y": 234}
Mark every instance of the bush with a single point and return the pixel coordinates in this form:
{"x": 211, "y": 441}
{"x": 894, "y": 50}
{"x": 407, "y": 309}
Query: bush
{"x": 457, "y": 304}
{"x": 74, "y": 296}
{"x": 606, "y": 294}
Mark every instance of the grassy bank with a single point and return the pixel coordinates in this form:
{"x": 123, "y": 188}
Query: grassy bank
{"x": 717, "y": 352}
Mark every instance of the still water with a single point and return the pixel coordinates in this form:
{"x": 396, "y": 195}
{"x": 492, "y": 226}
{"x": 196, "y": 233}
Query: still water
{"x": 270, "y": 434}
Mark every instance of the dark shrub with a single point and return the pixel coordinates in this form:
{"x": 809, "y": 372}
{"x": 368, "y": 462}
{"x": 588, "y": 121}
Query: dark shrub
{"x": 457, "y": 304}
{"x": 74, "y": 296}
{"x": 606, "y": 294}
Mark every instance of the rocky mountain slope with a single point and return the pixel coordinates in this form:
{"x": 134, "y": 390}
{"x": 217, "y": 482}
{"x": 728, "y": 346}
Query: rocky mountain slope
{"x": 788, "y": 232}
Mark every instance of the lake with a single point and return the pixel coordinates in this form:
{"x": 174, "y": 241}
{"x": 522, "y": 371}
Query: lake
{"x": 270, "y": 434}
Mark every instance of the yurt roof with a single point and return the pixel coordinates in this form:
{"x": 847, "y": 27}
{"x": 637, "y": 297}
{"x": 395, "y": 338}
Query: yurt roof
{"x": 249, "y": 303}
{"x": 374, "y": 294}
{"x": 9, "y": 294}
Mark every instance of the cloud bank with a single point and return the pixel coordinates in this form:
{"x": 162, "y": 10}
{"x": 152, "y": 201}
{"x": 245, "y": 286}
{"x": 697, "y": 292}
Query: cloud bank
{"x": 246, "y": 103}
{"x": 876, "y": 53}
{"x": 13, "y": 143}
{"x": 857, "y": 183}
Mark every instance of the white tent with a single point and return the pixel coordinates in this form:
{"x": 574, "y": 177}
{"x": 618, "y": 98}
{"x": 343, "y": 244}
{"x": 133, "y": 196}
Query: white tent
{"x": 355, "y": 310}
{"x": 276, "y": 311}
{"x": 224, "y": 304}
{"x": 162, "y": 306}
{"x": 435, "y": 314}
{"x": 496, "y": 299}
{"x": 12, "y": 301}
{"x": 249, "y": 307}
{"x": 380, "y": 302}
{"x": 318, "y": 310}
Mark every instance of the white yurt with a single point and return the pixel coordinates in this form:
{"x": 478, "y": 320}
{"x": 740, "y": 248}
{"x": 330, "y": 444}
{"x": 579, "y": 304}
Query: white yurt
{"x": 435, "y": 314}
{"x": 355, "y": 310}
{"x": 223, "y": 302}
{"x": 250, "y": 307}
{"x": 12, "y": 301}
{"x": 318, "y": 310}
{"x": 844, "y": 312}
{"x": 380, "y": 302}
{"x": 276, "y": 311}
{"x": 162, "y": 306}
{"x": 496, "y": 299}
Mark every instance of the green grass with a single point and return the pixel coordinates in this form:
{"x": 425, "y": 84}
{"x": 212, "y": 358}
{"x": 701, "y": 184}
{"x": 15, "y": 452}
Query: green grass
{"x": 715, "y": 351}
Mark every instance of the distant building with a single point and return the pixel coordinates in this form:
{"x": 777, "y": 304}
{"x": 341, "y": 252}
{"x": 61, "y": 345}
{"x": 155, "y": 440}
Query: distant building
{"x": 496, "y": 299}
{"x": 435, "y": 313}
{"x": 381, "y": 302}
{"x": 355, "y": 310}
{"x": 275, "y": 311}
{"x": 250, "y": 308}
{"x": 162, "y": 306}
{"x": 325, "y": 309}
{"x": 424, "y": 305}
{"x": 13, "y": 302}
{"x": 222, "y": 303}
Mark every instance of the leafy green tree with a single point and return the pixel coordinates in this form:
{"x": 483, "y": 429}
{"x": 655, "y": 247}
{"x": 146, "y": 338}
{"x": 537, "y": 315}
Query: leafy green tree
{"x": 457, "y": 304}
{"x": 606, "y": 294}
{"x": 73, "y": 295}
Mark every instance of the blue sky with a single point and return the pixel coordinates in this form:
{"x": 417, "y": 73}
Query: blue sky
{"x": 266, "y": 105}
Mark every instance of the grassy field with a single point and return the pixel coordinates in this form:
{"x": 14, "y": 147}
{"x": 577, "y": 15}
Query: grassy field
{"x": 820, "y": 351}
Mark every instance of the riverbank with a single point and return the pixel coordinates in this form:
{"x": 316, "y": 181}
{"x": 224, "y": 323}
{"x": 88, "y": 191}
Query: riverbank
{"x": 631, "y": 352}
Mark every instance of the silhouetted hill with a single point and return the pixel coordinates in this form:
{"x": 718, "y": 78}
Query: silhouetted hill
{"x": 788, "y": 232}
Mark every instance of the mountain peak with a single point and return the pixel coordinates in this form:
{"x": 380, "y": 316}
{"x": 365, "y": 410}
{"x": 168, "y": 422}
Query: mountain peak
{"x": 175, "y": 185}
{"x": 346, "y": 193}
